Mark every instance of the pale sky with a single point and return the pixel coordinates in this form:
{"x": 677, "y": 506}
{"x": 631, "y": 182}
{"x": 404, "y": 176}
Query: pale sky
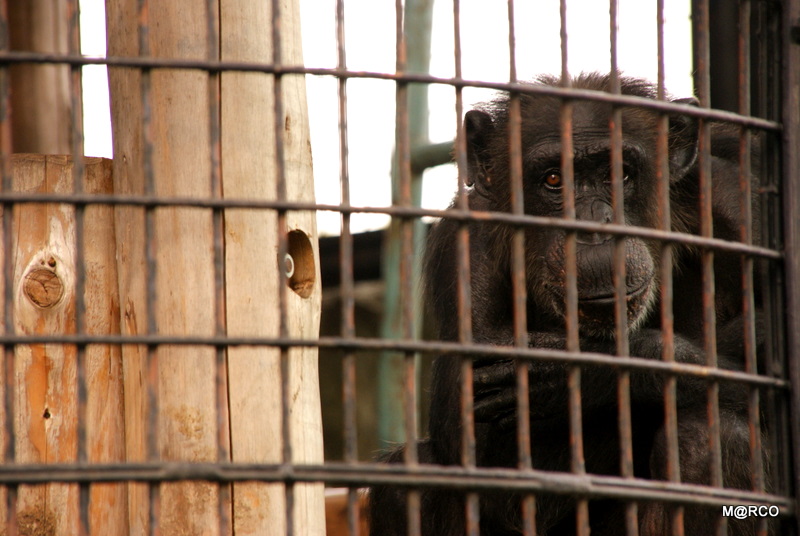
{"x": 370, "y": 32}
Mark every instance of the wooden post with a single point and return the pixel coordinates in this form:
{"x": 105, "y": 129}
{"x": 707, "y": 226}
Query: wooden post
{"x": 40, "y": 94}
{"x": 253, "y": 271}
{"x": 185, "y": 305}
{"x": 46, "y": 407}
{"x": 184, "y": 273}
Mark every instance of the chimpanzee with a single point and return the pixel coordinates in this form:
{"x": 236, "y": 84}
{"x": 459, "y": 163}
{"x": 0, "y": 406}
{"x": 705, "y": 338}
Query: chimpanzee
{"x": 486, "y": 128}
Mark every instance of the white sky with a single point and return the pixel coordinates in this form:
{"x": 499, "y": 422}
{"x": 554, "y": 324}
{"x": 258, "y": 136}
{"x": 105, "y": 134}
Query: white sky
{"x": 370, "y": 31}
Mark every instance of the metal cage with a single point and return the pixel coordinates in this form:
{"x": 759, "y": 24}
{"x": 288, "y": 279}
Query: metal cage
{"x": 767, "y": 115}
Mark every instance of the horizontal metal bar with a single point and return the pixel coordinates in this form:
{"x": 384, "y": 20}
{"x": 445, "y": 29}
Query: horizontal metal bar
{"x": 368, "y": 474}
{"x": 398, "y": 211}
{"x": 517, "y": 87}
{"x": 405, "y": 345}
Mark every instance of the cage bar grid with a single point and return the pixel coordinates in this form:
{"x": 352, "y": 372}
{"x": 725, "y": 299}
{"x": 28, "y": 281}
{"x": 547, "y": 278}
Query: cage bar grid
{"x": 471, "y": 478}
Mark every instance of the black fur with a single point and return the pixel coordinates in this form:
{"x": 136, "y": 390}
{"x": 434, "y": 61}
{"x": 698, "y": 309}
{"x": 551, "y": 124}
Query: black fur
{"x": 492, "y": 309}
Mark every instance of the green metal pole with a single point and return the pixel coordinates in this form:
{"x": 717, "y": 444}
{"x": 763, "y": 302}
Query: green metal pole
{"x": 391, "y": 423}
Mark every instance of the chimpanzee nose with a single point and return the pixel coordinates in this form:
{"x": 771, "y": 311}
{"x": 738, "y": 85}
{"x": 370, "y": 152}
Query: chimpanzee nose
{"x": 598, "y": 211}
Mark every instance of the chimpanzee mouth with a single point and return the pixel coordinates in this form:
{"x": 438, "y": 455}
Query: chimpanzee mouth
{"x": 608, "y": 298}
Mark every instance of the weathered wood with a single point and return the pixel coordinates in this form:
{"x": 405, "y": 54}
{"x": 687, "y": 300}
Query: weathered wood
{"x": 253, "y": 273}
{"x": 47, "y": 414}
{"x": 40, "y": 26}
{"x": 184, "y": 274}
{"x": 184, "y": 262}
{"x": 336, "y": 512}
{"x": 126, "y": 113}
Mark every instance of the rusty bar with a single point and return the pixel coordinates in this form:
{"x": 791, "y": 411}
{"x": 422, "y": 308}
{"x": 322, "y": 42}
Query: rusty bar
{"x": 472, "y": 512}
{"x": 347, "y": 326}
{"x": 620, "y": 309}
{"x": 8, "y": 369}
{"x": 519, "y": 290}
{"x": 519, "y": 279}
{"x": 777, "y": 299}
{"x": 790, "y": 35}
{"x": 676, "y": 512}
{"x": 78, "y": 175}
{"x": 570, "y": 283}
{"x": 269, "y": 68}
{"x": 224, "y": 494}
{"x": 402, "y": 154}
{"x": 283, "y": 250}
{"x": 407, "y": 324}
{"x": 363, "y": 343}
{"x": 746, "y": 236}
{"x": 438, "y": 476}
{"x": 151, "y": 263}
{"x": 456, "y": 214}
{"x": 517, "y": 201}
{"x": 618, "y": 203}
{"x": 700, "y": 18}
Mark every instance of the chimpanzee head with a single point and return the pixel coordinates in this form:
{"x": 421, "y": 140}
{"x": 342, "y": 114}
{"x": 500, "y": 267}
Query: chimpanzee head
{"x": 487, "y": 133}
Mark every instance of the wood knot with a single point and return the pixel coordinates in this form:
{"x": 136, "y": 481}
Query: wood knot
{"x": 43, "y": 287}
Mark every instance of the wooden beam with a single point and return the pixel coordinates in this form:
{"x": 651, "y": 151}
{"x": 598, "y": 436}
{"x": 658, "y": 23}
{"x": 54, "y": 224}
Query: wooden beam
{"x": 47, "y": 411}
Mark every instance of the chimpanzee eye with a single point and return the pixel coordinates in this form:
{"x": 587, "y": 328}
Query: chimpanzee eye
{"x": 552, "y": 179}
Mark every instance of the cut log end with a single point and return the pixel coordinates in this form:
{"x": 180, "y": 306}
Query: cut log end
{"x": 43, "y": 287}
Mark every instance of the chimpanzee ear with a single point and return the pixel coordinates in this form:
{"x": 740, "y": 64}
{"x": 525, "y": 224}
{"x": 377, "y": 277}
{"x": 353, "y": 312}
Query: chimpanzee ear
{"x": 479, "y": 127}
{"x": 682, "y": 141}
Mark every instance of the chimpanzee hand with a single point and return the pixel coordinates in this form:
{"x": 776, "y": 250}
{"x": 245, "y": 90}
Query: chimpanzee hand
{"x": 494, "y": 380}
{"x": 494, "y": 384}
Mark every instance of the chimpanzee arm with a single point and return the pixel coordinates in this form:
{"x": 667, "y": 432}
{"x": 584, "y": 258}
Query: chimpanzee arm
{"x": 495, "y": 381}
{"x": 388, "y": 506}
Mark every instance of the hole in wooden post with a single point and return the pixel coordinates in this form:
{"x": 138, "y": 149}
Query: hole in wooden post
{"x": 299, "y": 264}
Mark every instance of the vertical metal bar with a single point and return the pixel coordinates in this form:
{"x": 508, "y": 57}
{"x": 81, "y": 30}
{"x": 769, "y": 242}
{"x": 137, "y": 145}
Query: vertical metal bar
{"x": 667, "y": 320}
{"x": 519, "y": 279}
{"x": 220, "y": 327}
{"x": 347, "y": 312}
{"x": 748, "y": 303}
{"x": 777, "y": 442}
{"x": 571, "y": 283}
{"x": 790, "y": 67}
{"x": 700, "y": 17}
{"x": 620, "y": 309}
{"x": 417, "y": 20}
{"x": 153, "y": 453}
{"x": 78, "y": 172}
{"x": 280, "y": 195}
{"x": 472, "y": 509}
{"x": 8, "y": 367}
{"x": 347, "y": 326}
{"x": 778, "y": 64}
{"x": 771, "y": 67}
{"x": 402, "y": 154}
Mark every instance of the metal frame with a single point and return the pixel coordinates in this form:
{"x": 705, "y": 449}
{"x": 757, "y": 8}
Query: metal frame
{"x": 779, "y": 56}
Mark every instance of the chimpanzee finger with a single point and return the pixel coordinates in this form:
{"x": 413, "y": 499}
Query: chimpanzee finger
{"x": 495, "y": 405}
{"x": 497, "y": 373}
